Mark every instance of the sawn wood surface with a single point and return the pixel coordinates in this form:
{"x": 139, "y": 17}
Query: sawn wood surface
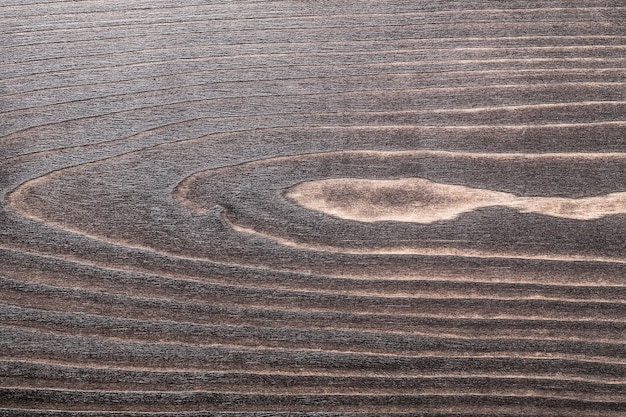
{"x": 313, "y": 208}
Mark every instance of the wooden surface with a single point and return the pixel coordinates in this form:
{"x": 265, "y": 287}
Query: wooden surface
{"x": 313, "y": 208}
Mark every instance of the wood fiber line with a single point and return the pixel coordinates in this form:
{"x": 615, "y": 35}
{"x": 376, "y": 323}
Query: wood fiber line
{"x": 258, "y": 208}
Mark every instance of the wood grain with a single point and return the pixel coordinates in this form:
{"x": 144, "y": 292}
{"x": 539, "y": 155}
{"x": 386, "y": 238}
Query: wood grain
{"x": 313, "y": 208}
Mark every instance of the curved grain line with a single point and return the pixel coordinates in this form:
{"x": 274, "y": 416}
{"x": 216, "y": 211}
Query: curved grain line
{"x": 294, "y": 318}
{"x": 330, "y": 373}
{"x": 373, "y": 64}
{"x": 189, "y": 278}
{"x": 109, "y": 25}
{"x": 300, "y": 113}
{"x": 321, "y": 41}
{"x": 323, "y": 391}
{"x": 322, "y": 282}
{"x": 316, "y": 16}
{"x": 427, "y": 354}
{"x": 264, "y": 346}
{"x": 28, "y": 314}
{"x": 275, "y": 306}
{"x": 451, "y": 394}
{"x": 349, "y": 92}
{"x": 528, "y": 86}
{"x": 447, "y": 252}
{"x": 141, "y": 51}
{"x": 347, "y": 77}
{"x": 376, "y": 296}
{"x": 373, "y": 75}
{"x": 465, "y": 354}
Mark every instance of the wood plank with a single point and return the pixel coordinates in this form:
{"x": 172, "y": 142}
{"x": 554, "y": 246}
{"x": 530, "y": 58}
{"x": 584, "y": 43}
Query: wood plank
{"x": 313, "y": 208}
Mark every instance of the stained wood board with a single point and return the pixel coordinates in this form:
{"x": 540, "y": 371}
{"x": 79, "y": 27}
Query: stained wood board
{"x": 313, "y": 208}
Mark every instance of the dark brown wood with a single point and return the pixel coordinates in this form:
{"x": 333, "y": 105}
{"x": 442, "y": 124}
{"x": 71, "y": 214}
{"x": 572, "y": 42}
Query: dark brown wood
{"x": 313, "y": 208}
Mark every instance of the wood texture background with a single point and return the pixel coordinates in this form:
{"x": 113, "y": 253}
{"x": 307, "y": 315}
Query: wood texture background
{"x": 190, "y": 196}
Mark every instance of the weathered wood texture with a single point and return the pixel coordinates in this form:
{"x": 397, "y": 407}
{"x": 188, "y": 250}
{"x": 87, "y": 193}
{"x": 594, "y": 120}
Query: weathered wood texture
{"x": 313, "y": 208}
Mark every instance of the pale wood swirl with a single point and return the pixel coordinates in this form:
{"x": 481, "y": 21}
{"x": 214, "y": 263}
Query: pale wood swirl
{"x": 313, "y": 208}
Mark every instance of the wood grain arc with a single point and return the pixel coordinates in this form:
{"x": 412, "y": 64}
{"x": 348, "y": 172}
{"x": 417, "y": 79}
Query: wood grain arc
{"x": 313, "y": 208}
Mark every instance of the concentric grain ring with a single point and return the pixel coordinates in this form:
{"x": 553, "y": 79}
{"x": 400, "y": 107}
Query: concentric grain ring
{"x": 313, "y": 208}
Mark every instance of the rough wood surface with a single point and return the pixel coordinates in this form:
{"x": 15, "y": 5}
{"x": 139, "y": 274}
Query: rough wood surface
{"x": 319, "y": 208}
